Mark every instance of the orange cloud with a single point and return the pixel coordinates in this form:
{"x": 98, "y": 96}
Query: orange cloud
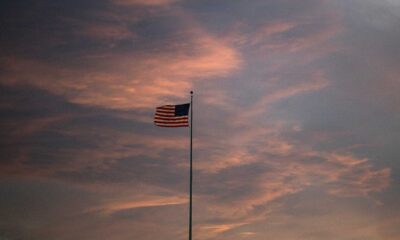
{"x": 129, "y": 81}
{"x": 220, "y": 228}
{"x": 145, "y": 78}
{"x": 143, "y": 201}
{"x": 292, "y": 167}
{"x": 240, "y": 141}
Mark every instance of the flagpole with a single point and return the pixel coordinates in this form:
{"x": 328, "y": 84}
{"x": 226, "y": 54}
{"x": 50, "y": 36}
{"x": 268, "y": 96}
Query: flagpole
{"x": 191, "y": 163}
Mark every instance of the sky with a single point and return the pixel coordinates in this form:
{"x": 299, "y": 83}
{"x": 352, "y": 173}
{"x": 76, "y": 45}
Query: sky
{"x": 295, "y": 127}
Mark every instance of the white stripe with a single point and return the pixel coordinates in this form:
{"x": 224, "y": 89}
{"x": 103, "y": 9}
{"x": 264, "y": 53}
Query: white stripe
{"x": 165, "y": 114}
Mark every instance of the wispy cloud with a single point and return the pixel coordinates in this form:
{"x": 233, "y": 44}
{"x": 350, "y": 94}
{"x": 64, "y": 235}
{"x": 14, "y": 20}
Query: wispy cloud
{"x": 141, "y": 202}
{"x": 290, "y": 120}
{"x": 144, "y": 80}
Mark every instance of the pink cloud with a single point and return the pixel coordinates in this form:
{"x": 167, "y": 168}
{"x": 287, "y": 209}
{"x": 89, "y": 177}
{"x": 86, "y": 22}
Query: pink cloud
{"x": 139, "y": 202}
{"x": 294, "y": 166}
{"x": 144, "y": 80}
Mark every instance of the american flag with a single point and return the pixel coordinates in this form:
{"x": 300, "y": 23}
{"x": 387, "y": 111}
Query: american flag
{"x": 172, "y": 115}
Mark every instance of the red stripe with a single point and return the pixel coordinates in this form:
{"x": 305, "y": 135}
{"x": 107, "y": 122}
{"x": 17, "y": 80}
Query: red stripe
{"x": 165, "y": 111}
{"x": 170, "y": 118}
{"x": 165, "y": 108}
{"x": 173, "y": 123}
{"x": 173, "y": 126}
{"x": 177, "y": 122}
{"x": 169, "y": 125}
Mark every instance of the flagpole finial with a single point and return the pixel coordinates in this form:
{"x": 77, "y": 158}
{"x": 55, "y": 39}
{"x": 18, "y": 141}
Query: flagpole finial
{"x": 191, "y": 92}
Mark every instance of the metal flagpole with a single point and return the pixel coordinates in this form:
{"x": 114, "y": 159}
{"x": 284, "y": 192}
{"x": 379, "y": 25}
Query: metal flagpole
{"x": 191, "y": 161}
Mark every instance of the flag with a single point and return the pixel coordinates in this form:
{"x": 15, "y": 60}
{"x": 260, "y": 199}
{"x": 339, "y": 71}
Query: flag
{"x": 172, "y": 115}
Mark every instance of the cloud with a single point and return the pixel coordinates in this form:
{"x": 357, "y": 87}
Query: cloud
{"x": 140, "y": 201}
{"x": 149, "y": 203}
{"x": 258, "y": 168}
{"x": 144, "y": 80}
{"x": 217, "y": 229}
{"x": 262, "y": 131}
{"x": 266, "y": 101}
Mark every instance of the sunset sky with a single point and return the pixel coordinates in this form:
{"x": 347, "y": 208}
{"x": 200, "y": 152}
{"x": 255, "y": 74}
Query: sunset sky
{"x": 296, "y": 119}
